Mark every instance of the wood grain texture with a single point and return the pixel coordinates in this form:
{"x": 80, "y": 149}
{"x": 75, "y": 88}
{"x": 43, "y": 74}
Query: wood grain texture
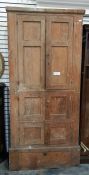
{"x": 31, "y": 51}
{"x": 59, "y": 40}
{"x": 13, "y": 78}
{"x": 77, "y": 52}
{"x": 31, "y": 160}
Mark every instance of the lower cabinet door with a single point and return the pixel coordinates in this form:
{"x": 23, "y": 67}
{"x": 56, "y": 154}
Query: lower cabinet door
{"x": 62, "y": 117}
{"x": 31, "y": 118}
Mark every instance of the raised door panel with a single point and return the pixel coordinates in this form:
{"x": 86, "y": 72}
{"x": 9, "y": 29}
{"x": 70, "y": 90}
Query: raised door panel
{"x": 59, "y": 38}
{"x": 58, "y": 106}
{"x": 32, "y": 106}
{"x": 59, "y": 133}
{"x": 31, "y": 133}
{"x": 31, "y": 52}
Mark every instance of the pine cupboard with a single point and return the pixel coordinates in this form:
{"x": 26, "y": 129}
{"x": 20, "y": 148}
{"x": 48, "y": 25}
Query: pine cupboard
{"x": 45, "y": 69}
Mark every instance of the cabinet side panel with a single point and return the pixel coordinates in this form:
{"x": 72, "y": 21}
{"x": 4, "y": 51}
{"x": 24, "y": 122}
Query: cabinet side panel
{"x": 12, "y": 33}
{"x": 77, "y": 50}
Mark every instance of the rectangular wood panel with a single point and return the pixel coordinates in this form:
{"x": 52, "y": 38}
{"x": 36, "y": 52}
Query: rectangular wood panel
{"x": 32, "y": 62}
{"x": 32, "y": 106}
{"x": 59, "y": 61}
{"x": 31, "y": 133}
{"x": 59, "y": 133}
{"x": 60, "y": 31}
{"x": 58, "y": 106}
{"x": 32, "y": 31}
{"x": 36, "y": 160}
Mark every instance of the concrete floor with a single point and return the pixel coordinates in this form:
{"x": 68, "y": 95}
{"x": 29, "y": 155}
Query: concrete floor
{"x": 82, "y": 169}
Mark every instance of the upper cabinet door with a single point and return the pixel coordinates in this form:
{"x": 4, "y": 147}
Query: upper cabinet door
{"x": 31, "y": 52}
{"x": 59, "y": 38}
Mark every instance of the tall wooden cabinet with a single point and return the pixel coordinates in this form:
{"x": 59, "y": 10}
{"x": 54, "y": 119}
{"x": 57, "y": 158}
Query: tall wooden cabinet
{"x": 45, "y": 68}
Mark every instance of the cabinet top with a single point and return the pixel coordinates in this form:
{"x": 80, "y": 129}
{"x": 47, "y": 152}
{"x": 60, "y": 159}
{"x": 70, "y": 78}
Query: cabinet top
{"x": 47, "y": 10}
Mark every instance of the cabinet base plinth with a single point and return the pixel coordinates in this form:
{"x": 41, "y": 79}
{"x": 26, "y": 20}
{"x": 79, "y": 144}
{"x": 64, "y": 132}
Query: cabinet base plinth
{"x": 24, "y": 158}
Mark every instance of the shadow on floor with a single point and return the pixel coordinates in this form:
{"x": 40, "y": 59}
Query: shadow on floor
{"x": 4, "y": 165}
{"x": 82, "y": 169}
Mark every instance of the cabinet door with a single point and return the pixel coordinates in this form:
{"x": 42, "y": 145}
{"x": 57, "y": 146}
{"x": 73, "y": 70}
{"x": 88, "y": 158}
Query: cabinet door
{"x": 59, "y": 38}
{"x": 31, "y": 75}
{"x": 61, "y": 118}
{"x": 27, "y": 77}
{"x": 31, "y": 117}
{"x": 31, "y": 52}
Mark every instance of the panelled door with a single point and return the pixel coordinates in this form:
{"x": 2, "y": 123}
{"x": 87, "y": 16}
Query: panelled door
{"x": 59, "y": 35}
{"x": 31, "y": 79}
{"x": 40, "y": 68}
{"x": 61, "y": 119}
